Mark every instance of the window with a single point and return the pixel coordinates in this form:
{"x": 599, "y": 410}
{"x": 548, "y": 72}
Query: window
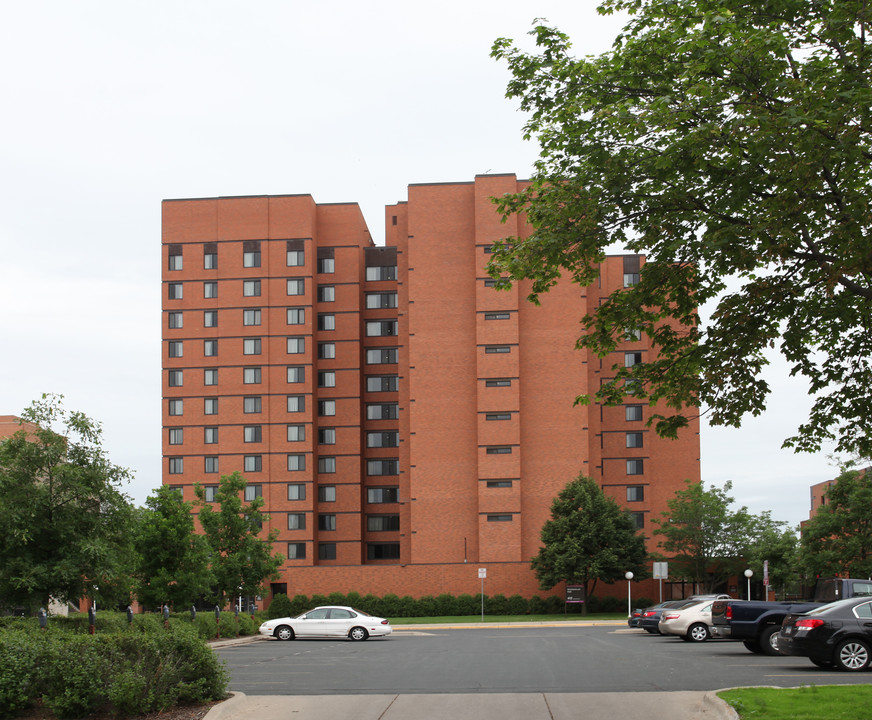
{"x": 210, "y": 318}
{"x": 381, "y": 328}
{"x": 251, "y": 258}
{"x": 383, "y": 466}
{"x": 381, "y": 356}
{"x": 210, "y": 406}
{"x": 251, "y": 376}
{"x": 210, "y": 289}
{"x": 176, "y": 407}
{"x": 326, "y": 378}
{"x": 296, "y": 462}
{"x": 210, "y": 492}
{"x": 383, "y": 523}
{"x": 632, "y": 358}
{"x": 326, "y": 293}
{"x": 326, "y": 408}
{"x": 176, "y": 348}
{"x": 490, "y": 282}
{"x": 382, "y": 495}
{"x": 175, "y": 262}
{"x": 500, "y": 450}
{"x": 251, "y": 317}
{"x": 499, "y": 483}
{"x": 498, "y": 416}
{"x": 327, "y": 464}
{"x": 326, "y": 263}
{"x": 326, "y": 436}
{"x": 382, "y": 411}
{"x": 252, "y": 492}
{"x": 296, "y": 374}
{"x": 381, "y": 300}
{"x": 631, "y": 279}
{"x": 174, "y": 291}
{"x": 635, "y": 493}
{"x": 251, "y": 346}
{"x": 210, "y": 435}
{"x": 177, "y": 436}
{"x": 498, "y": 382}
{"x": 382, "y": 272}
{"x": 326, "y": 351}
{"x": 634, "y": 439}
{"x": 210, "y": 348}
{"x": 210, "y": 260}
{"x": 498, "y": 349}
{"x": 296, "y": 316}
{"x": 326, "y": 522}
{"x": 210, "y": 376}
{"x": 251, "y": 288}
{"x": 497, "y": 316}
{"x": 296, "y": 521}
{"x": 175, "y": 378}
{"x": 382, "y": 383}
{"x": 296, "y": 491}
{"x": 638, "y": 519}
{"x": 296, "y": 256}
{"x": 252, "y": 463}
{"x": 296, "y": 403}
{"x": 252, "y": 404}
{"x": 327, "y": 493}
{"x": 326, "y": 551}
{"x": 252, "y": 434}
{"x": 635, "y": 466}
{"x": 297, "y": 286}
{"x": 296, "y": 551}
{"x": 296, "y": 345}
{"x": 296, "y": 433}
{"x": 382, "y": 551}
{"x": 210, "y": 464}
{"x": 175, "y": 320}
{"x": 390, "y": 438}
{"x": 632, "y": 334}
{"x": 499, "y": 517}
{"x": 632, "y": 413}
{"x": 326, "y": 321}
{"x": 177, "y": 465}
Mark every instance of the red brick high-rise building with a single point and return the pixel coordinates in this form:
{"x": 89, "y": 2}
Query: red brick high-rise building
{"x": 405, "y": 423}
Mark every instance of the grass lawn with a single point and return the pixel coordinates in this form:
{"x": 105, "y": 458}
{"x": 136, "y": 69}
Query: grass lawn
{"x": 461, "y": 619}
{"x": 810, "y": 702}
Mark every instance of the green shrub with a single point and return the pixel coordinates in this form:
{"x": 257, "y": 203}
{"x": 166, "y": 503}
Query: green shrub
{"x": 336, "y": 598}
{"x": 353, "y": 599}
{"x": 537, "y": 606}
{"x": 516, "y": 605}
{"x": 22, "y": 653}
{"x": 247, "y": 625}
{"x": 468, "y": 604}
{"x": 301, "y": 604}
{"x": 280, "y": 607}
{"x": 77, "y": 674}
{"x": 227, "y": 626}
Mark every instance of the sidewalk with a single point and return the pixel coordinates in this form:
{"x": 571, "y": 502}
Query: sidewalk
{"x": 481, "y": 706}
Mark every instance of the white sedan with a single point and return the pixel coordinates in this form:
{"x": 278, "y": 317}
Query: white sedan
{"x": 690, "y": 621}
{"x": 328, "y": 621}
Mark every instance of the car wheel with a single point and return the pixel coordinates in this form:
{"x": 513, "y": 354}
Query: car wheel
{"x": 769, "y": 640}
{"x": 652, "y": 631}
{"x": 821, "y": 663}
{"x": 851, "y": 655}
{"x": 283, "y": 632}
{"x": 752, "y": 645}
{"x": 358, "y": 633}
{"x": 697, "y": 633}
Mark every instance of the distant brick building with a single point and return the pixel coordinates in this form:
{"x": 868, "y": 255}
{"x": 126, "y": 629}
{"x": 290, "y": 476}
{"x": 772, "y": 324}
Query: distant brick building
{"x": 405, "y": 423}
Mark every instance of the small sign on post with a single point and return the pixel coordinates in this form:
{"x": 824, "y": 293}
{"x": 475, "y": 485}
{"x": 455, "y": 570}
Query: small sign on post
{"x": 482, "y": 574}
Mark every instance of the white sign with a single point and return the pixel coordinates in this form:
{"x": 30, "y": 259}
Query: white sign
{"x": 661, "y": 570}
{"x": 482, "y": 572}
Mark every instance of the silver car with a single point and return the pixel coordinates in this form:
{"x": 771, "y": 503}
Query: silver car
{"x": 327, "y": 621}
{"x": 690, "y": 621}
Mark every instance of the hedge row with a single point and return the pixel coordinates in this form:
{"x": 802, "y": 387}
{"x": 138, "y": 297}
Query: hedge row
{"x": 140, "y": 669}
{"x": 393, "y": 606}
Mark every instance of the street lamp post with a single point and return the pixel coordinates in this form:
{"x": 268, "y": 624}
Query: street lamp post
{"x": 629, "y": 577}
{"x": 748, "y": 574}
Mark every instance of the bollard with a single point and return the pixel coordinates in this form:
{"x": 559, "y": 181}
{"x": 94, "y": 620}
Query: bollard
{"x": 92, "y": 620}
{"x": 193, "y": 613}
{"x": 165, "y": 611}
{"x": 43, "y": 619}
{"x": 217, "y": 622}
{"x": 129, "y": 615}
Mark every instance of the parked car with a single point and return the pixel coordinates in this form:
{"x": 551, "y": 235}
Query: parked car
{"x": 690, "y": 621}
{"x": 647, "y": 618}
{"x": 328, "y": 621}
{"x": 838, "y": 634}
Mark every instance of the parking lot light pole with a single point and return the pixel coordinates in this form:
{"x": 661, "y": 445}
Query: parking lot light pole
{"x": 629, "y": 577}
{"x": 748, "y": 573}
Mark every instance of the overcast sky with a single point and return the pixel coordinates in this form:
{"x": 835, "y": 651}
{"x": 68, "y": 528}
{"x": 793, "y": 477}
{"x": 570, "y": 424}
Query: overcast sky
{"x": 112, "y": 106}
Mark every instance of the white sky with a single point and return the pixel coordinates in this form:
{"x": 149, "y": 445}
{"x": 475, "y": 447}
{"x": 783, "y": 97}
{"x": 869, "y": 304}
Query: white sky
{"x": 111, "y": 106}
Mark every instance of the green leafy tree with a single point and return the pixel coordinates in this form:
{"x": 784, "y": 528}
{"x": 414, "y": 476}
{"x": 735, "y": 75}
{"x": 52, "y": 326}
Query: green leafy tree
{"x": 588, "y": 538}
{"x": 779, "y": 546}
{"x": 838, "y": 539}
{"x": 63, "y": 519}
{"x": 706, "y": 542}
{"x": 172, "y": 559}
{"x": 241, "y": 559}
{"x": 728, "y": 141}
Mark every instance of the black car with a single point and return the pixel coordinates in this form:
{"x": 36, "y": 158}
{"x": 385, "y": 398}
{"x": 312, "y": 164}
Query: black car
{"x": 650, "y": 617}
{"x": 838, "y": 634}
